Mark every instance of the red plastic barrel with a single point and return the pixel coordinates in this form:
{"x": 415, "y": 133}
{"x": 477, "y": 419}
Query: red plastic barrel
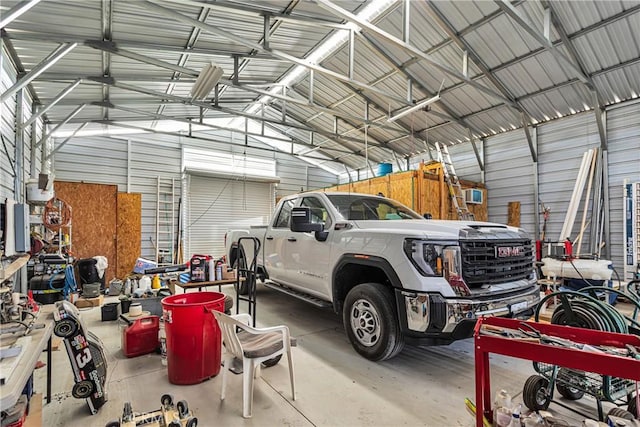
{"x": 194, "y": 342}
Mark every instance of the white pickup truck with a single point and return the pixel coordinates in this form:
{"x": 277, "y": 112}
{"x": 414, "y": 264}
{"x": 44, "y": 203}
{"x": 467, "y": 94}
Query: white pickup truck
{"x": 396, "y": 277}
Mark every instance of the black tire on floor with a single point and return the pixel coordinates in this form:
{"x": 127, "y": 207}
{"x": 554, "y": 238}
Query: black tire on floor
{"x": 535, "y": 393}
{"x": 65, "y": 328}
{"x": 166, "y": 400}
{"x": 271, "y": 362}
{"x": 113, "y": 424}
{"x": 632, "y": 407}
{"x": 183, "y": 409}
{"x": 240, "y": 263}
{"x": 568, "y": 392}
{"x": 82, "y": 389}
{"x": 174, "y": 424}
{"x": 621, "y": 413}
{"x": 371, "y": 322}
{"x": 192, "y": 422}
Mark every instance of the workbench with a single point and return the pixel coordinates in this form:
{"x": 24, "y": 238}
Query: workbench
{"x": 200, "y": 285}
{"x": 40, "y": 340}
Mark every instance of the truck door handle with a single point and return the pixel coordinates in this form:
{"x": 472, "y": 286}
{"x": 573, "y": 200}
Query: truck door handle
{"x": 269, "y": 237}
{"x": 292, "y": 239}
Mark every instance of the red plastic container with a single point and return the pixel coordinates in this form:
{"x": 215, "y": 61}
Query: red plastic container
{"x": 194, "y": 342}
{"x": 141, "y": 336}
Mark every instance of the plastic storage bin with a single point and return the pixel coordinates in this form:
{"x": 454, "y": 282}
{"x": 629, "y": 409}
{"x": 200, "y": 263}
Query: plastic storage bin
{"x": 110, "y": 311}
{"x": 194, "y": 342}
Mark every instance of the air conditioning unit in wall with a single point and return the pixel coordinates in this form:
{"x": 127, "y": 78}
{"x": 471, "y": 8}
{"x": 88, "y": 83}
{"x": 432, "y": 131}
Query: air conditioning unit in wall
{"x": 473, "y": 196}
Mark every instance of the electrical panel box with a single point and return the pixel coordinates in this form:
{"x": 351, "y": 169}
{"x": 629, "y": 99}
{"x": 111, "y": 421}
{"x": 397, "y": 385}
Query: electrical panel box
{"x": 473, "y": 196}
{"x": 21, "y": 218}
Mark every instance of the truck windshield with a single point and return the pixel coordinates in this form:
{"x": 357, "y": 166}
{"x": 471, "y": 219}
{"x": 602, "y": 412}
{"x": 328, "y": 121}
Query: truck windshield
{"x": 357, "y": 207}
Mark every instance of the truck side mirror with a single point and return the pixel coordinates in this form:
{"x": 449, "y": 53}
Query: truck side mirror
{"x": 301, "y": 221}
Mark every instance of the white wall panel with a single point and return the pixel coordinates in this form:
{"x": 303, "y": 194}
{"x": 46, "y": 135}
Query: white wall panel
{"x": 623, "y": 132}
{"x": 7, "y": 129}
{"x": 509, "y": 177}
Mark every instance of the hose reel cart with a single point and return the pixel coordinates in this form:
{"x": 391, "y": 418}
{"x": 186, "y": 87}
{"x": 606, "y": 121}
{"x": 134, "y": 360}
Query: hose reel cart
{"x": 510, "y": 341}
{"x": 584, "y": 309}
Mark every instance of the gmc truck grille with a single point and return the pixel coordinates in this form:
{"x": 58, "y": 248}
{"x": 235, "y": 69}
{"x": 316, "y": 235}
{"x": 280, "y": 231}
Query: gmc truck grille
{"x": 491, "y": 262}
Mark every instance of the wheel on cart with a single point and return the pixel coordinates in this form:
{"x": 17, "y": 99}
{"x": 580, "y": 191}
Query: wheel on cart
{"x": 65, "y": 328}
{"x": 621, "y": 413}
{"x": 535, "y": 394}
{"x": 174, "y": 424}
{"x": 127, "y": 412}
{"x": 166, "y": 400}
{"x": 113, "y": 424}
{"x": 271, "y": 362}
{"x": 240, "y": 265}
{"x": 183, "y": 409}
{"x": 192, "y": 422}
{"x": 569, "y": 392}
{"x": 82, "y": 389}
{"x": 633, "y": 406}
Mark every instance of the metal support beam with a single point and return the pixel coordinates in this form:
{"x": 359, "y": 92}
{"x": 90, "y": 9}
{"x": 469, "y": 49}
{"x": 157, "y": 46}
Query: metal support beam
{"x": 367, "y": 26}
{"x": 266, "y": 26}
{"x": 16, "y": 11}
{"x": 33, "y": 172}
{"x": 18, "y": 179}
{"x": 477, "y": 152}
{"x": 59, "y": 125}
{"x": 601, "y": 121}
{"x": 67, "y": 139}
{"x": 54, "y": 101}
{"x": 45, "y": 64}
{"x": 530, "y": 141}
{"x": 406, "y": 20}
{"x": 352, "y": 53}
{"x": 153, "y": 6}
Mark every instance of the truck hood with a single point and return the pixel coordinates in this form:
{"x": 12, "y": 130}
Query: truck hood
{"x": 438, "y": 229}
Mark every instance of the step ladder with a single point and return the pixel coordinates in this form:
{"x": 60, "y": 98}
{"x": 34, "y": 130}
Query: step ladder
{"x": 455, "y": 189}
{"x": 165, "y": 221}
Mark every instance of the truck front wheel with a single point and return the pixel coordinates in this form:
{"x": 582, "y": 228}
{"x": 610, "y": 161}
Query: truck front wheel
{"x": 371, "y": 322}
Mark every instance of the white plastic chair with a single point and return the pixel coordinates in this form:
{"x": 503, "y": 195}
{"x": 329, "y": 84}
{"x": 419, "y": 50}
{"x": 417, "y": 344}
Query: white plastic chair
{"x": 253, "y": 346}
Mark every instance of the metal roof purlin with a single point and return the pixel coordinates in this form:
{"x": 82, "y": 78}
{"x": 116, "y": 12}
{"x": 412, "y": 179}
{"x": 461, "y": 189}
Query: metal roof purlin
{"x": 151, "y": 5}
{"x": 51, "y": 59}
{"x": 107, "y": 35}
{"x": 16, "y": 11}
{"x": 364, "y": 25}
{"x": 51, "y": 104}
{"x": 66, "y": 120}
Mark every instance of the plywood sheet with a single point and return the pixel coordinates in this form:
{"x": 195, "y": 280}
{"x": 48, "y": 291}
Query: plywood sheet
{"x": 423, "y": 190}
{"x": 513, "y": 214}
{"x": 129, "y": 232}
{"x": 93, "y": 220}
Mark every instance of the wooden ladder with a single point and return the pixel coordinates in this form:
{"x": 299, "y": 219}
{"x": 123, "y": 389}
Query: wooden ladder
{"x": 455, "y": 189}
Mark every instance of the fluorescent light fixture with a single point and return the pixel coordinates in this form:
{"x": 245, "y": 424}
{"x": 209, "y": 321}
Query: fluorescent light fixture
{"x": 207, "y": 79}
{"x": 416, "y": 107}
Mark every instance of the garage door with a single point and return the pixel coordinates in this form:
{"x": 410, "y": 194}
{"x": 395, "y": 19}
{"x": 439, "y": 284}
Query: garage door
{"x": 216, "y": 205}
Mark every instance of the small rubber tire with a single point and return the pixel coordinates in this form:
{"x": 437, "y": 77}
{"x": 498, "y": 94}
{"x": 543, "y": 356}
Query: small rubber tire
{"x": 620, "y": 413}
{"x": 568, "y": 392}
{"x": 82, "y": 389}
{"x": 65, "y": 328}
{"x": 534, "y": 393}
{"x": 244, "y": 286}
{"x": 271, "y": 362}
{"x": 174, "y": 424}
{"x": 192, "y": 422}
{"x": 166, "y": 400}
{"x": 371, "y": 322}
{"x": 113, "y": 424}
{"x": 632, "y": 406}
{"x": 183, "y": 409}
{"x": 127, "y": 412}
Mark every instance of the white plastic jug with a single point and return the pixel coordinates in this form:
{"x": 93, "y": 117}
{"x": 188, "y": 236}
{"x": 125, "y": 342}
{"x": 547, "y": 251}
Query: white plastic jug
{"x": 145, "y": 283}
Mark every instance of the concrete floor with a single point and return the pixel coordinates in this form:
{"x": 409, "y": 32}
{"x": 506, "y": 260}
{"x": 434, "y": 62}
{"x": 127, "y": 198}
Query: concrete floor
{"x": 335, "y": 386}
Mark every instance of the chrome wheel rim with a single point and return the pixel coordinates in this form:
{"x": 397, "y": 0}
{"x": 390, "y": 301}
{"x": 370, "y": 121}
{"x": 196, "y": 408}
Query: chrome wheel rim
{"x": 365, "y": 323}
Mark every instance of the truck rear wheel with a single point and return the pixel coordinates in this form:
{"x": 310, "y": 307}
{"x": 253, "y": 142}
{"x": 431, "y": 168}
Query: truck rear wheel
{"x": 371, "y": 322}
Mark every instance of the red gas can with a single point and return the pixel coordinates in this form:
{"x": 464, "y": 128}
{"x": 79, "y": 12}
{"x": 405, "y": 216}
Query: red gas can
{"x": 141, "y": 336}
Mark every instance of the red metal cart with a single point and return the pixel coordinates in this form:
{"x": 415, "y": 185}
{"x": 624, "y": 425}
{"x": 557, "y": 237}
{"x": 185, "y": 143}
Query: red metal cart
{"x": 601, "y": 363}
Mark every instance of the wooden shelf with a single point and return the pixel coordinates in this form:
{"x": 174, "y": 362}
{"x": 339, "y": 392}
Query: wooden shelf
{"x": 10, "y": 270}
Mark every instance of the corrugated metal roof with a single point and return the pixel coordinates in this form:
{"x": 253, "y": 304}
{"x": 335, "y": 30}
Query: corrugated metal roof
{"x": 603, "y": 34}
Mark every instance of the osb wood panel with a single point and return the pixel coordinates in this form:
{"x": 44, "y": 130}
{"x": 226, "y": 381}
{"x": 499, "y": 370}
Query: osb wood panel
{"x": 93, "y": 220}
{"x": 423, "y": 191}
{"x": 129, "y": 232}
{"x": 513, "y": 214}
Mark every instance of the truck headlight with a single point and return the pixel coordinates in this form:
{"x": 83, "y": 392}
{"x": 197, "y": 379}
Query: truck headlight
{"x": 438, "y": 259}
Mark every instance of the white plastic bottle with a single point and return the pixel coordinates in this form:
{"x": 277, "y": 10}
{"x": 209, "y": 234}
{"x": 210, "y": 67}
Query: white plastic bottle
{"x": 515, "y": 417}
{"x": 163, "y": 345}
{"x": 502, "y": 408}
{"x": 502, "y": 400}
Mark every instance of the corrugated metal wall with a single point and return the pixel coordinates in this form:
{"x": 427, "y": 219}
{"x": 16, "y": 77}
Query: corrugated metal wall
{"x": 105, "y": 160}
{"x": 7, "y": 120}
{"x": 561, "y": 145}
{"x": 623, "y": 132}
{"x": 509, "y": 177}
